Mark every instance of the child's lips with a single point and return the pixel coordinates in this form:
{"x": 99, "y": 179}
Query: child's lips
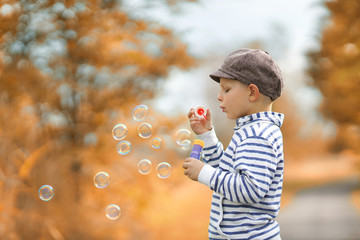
{"x": 223, "y": 108}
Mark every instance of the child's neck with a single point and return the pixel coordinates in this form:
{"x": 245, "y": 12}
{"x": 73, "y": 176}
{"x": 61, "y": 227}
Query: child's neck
{"x": 261, "y": 108}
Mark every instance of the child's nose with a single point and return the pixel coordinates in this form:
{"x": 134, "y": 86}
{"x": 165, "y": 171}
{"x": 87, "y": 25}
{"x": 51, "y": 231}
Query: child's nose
{"x": 219, "y": 97}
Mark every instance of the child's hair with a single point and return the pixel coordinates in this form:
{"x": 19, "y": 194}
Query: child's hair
{"x": 252, "y": 66}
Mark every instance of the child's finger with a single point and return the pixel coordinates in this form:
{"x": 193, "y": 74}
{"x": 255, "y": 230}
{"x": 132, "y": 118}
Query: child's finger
{"x": 186, "y": 167}
{"x": 191, "y": 113}
{"x": 186, "y": 164}
{"x": 208, "y": 115}
{"x": 195, "y": 121}
{"x": 189, "y": 160}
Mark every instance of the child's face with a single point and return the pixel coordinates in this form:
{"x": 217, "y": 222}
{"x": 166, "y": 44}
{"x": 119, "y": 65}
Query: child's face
{"x": 233, "y": 97}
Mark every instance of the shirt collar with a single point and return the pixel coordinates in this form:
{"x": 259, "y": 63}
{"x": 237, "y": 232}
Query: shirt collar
{"x": 274, "y": 117}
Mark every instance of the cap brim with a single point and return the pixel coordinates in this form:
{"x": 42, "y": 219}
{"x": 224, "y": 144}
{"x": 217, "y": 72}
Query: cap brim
{"x": 220, "y": 74}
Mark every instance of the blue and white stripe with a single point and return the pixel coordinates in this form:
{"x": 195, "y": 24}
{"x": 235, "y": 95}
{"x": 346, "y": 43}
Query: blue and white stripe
{"x": 246, "y": 178}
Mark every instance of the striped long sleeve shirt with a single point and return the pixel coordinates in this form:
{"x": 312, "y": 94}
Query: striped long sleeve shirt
{"x": 246, "y": 178}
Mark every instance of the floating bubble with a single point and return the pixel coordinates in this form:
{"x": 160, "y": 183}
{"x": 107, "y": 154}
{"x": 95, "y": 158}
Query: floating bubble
{"x": 144, "y": 166}
{"x": 101, "y": 180}
{"x": 119, "y": 132}
{"x": 113, "y": 212}
{"x": 156, "y": 143}
{"x": 139, "y": 113}
{"x": 183, "y": 138}
{"x": 186, "y": 144}
{"x": 164, "y": 170}
{"x": 144, "y": 130}
{"x": 123, "y": 147}
{"x": 46, "y": 192}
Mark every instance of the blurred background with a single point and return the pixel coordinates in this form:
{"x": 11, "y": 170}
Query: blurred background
{"x": 71, "y": 70}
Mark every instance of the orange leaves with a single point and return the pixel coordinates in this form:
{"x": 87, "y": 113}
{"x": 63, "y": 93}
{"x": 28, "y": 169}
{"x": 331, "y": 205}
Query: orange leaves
{"x": 63, "y": 80}
{"x": 335, "y": 67}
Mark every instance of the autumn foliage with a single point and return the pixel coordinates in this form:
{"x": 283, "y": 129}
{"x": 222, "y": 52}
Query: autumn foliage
{"x": 334, "y": 67}
{"x": 70, "y": 71}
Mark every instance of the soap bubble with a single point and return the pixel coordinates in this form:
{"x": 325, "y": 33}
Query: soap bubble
{"x": 113, "y": 212}
{"x": 144, "y": 166}
{"x": 101, "y": 180}
{"x": 156, "y": 143}
{"x": 164, "y": 170}
{"x": 183, "y": 138}
{"x": 139, "y": 113}
{"x": 119, "y": 132}
{"x": 144, "y": 130}
{"x": 46, "y": 192}
{"x": 186, "y": 144}
{"x": 123, "y": 147}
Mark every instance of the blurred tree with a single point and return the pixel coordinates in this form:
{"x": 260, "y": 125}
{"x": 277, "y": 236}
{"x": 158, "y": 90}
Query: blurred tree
{"x": 335, "y": 70}
{"x": 67, "y": 69}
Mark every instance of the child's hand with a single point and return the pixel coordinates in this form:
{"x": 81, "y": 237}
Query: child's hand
{"x": 200, "y": 125}
{"x": 192, "y": 168}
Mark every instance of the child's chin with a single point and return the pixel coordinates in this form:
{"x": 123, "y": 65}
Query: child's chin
{"x": 234, "y": 117}
{"x": 231, "y": 117}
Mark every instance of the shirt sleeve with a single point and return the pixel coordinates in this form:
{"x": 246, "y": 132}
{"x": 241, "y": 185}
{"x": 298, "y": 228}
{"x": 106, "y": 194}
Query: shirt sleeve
{"x": 255, "y": 165}
{"x": 213, "y": 149}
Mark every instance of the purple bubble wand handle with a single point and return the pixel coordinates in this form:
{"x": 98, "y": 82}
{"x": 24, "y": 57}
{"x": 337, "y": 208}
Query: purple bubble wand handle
{"x": 197, "y": 149}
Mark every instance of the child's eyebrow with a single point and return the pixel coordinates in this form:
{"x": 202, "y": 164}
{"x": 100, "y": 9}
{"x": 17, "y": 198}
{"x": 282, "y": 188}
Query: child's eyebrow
{"x": 224, "y": 85}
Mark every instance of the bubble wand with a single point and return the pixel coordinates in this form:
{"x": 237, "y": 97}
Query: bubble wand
{"x": 200, "y": 112}
{"x": 197, "y": 148}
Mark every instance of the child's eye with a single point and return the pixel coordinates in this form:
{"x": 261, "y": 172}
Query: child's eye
{"x": 226, "y": 90}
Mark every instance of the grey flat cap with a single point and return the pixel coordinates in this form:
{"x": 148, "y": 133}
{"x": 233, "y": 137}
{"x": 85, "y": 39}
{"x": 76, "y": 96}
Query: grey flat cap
{"x": 252, "y": 66}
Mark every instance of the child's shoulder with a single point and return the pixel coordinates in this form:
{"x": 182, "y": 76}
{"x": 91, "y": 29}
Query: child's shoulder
{"x": 262, "y": 126}
{"x": 258, "y": 129}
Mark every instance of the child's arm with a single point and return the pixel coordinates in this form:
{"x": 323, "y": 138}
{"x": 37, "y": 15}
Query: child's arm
{"x": 255, "y": 165}
{"x": 213, "y": 150}
{"x": 202, "y": 127}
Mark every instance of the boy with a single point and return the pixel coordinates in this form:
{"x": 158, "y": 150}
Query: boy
{"x": 247, "y": 177}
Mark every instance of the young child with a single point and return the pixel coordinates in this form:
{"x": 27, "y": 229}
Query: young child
{"x": 247, "y": 177}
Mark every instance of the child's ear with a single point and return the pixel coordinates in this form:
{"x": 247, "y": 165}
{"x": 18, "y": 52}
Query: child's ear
{"x": 254, "y": 92}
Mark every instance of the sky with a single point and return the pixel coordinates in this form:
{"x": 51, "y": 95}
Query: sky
{"x": 212, "y": 23}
